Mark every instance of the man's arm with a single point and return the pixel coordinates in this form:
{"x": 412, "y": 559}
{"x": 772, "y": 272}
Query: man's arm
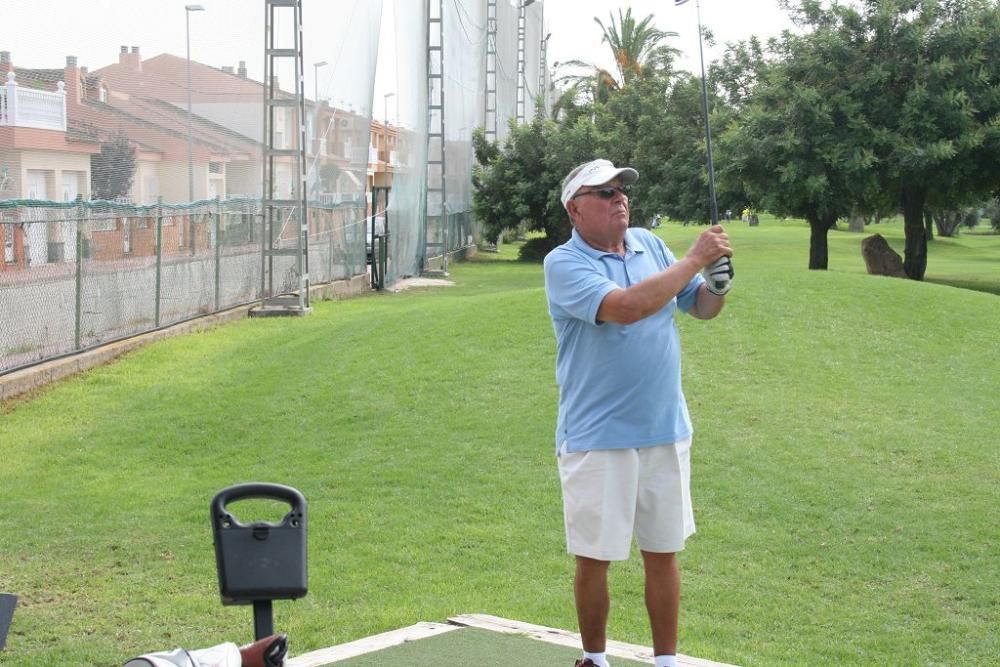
{"x": 628, "y": 305}
{"x": 707, "y": 305}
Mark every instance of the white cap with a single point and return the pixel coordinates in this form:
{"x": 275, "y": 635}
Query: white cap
{"x": 595, "y": 172}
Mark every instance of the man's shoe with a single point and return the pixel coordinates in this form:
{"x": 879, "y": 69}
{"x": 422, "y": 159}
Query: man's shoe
{"x": 586, "y": 662}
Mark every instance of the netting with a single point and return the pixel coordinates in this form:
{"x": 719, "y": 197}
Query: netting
{"x": 506, "y": 66}
{"x": 532, "y": 57}
{"x": 155, "y": 179}
{"x": 406, "y": 200}
{"x": 465, "y": 69}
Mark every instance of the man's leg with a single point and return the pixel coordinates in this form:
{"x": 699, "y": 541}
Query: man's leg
{"x": 663, "y": 599}
{"x": 592, "y": 602}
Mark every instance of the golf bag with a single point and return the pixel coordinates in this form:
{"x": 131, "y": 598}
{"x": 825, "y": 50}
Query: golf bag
{"x": 267, "y": 652}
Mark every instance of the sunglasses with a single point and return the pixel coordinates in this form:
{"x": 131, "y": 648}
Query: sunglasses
{"x": 606, "y": 192}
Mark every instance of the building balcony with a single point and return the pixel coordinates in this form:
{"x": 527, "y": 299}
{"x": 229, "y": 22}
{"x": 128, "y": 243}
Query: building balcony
{"x": 27, "y": 107}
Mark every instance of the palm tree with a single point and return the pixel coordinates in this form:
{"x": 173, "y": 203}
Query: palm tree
{"x": 637, "y": 49}
{"x": 636, "y": 46}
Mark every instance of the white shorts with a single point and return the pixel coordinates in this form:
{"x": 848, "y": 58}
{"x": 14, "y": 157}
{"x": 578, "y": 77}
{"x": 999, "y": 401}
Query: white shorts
{"x": 609, "y": 494}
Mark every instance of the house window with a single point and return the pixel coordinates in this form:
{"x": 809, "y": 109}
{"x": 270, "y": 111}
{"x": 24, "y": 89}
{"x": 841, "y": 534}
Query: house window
{"x": 215, "y": 167}
{"x": 103, "y": 95}
{"x": 37, "y": 184}
{"x": 72, "y": 184}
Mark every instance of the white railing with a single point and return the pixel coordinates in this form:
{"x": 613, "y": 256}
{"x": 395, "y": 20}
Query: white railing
{"x": 26, "y": 107}
{"x": 340, "y": 197}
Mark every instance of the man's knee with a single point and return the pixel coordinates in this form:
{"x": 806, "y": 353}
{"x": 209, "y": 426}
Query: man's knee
{"x": 591, "y": 567}
{"x": 655, "y": 561}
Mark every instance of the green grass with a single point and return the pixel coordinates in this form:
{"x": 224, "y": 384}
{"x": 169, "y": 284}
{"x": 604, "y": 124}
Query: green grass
{"x": 845, "y": 481}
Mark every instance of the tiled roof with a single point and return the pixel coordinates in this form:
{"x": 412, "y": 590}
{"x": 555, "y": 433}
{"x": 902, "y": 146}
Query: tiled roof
{"x": 39, "y": 79}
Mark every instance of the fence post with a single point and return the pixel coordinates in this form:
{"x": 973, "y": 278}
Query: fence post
{"x": 218, "y": 254}
{"x": 79, "y": 274}
{"x": 192, "y": 230}
{"x": 159, "y": 253}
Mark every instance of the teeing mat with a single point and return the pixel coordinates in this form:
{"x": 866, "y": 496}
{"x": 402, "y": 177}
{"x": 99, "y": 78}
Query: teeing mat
{"x": 476, "y": 639}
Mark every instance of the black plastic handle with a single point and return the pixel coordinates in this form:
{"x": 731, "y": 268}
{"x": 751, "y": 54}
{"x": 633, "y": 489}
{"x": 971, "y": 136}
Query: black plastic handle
{"x": 261, "y": 490}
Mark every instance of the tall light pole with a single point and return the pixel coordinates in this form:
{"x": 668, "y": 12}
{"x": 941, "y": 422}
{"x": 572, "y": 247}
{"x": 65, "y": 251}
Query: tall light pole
{"x": 316, "y": 66}
{"x": 187, "y": 20}
{"x": 385, "y": 107}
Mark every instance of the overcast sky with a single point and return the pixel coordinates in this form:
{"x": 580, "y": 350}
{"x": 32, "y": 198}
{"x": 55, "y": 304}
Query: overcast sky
{"x": 41, "y": 33}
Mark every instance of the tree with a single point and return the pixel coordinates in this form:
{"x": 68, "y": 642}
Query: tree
{"x": 638, "y": 50}
{"x": 511, "y": 184}
{"x": 886, "y": 101}
{"x": 113, "y": 169}
{"x": 637, "y": 46}
{"x": 328, "y": 175}
{"x": 798, "y": 143}
{"x": 666, "y": 134}
{"x": 925, "y": 81}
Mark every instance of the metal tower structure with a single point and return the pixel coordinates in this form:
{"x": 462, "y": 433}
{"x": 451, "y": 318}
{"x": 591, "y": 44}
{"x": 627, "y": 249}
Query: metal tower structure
{"x": 286, "y": 229}
{"x": 490, "y": 117}
{"x": 435, "y": 202}
{"x": 521, "y": 82}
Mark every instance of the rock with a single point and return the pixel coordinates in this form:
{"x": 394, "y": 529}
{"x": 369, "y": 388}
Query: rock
{"x": 880, "y": 258}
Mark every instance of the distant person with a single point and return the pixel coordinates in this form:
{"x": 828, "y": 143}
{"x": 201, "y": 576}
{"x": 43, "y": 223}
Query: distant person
{"x": 623, "y": 435}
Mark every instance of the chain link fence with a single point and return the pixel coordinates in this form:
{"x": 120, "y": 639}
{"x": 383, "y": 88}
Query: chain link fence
{"x": 77, "y": 275}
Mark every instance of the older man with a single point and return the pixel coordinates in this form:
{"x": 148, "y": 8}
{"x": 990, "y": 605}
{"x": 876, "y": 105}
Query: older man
{"x": 623, "y": 434}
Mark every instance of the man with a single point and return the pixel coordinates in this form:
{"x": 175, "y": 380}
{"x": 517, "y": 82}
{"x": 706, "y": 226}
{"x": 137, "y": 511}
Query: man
{"x": 623, "y": 434}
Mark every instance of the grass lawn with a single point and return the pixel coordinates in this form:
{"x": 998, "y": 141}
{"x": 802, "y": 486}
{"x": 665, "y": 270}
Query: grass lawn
{"x": 846, "y": 472}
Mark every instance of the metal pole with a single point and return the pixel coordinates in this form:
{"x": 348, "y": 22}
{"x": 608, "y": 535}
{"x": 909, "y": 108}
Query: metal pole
{"x": 187, "y": 21}
{"x": 218, "y": 253}
{"x": 79, "y": 273}
{"x": 159, "y": 253}
{"x": 708, "y": 129}
{"x": 263, "y": 619}
{"x": 385, "y": 111}
{"x": 187, "y": 24}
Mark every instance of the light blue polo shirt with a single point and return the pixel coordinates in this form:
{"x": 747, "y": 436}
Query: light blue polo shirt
{"x": 619, "y": 385}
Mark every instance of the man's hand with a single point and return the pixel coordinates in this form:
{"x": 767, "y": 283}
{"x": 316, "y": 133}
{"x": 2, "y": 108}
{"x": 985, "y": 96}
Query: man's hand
{"x": 719, "y": 276}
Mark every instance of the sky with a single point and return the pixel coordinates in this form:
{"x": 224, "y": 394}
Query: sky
{"x": 41, "y": 33}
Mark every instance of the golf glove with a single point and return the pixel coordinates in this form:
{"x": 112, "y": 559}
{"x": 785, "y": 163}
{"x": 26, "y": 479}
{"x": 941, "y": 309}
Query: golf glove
{"x": 719, "y": 276}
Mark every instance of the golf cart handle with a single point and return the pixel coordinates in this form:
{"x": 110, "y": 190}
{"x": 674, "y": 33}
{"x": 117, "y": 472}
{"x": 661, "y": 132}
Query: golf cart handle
{"x": 259, "y": 561}
{"x": 261, "y": 490}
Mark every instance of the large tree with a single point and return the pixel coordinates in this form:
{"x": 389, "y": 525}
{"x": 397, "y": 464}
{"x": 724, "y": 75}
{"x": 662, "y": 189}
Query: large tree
{"x": 113, "y": 169}
{"x": 798, "y": 142}
{"x": 924, "y": 78}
